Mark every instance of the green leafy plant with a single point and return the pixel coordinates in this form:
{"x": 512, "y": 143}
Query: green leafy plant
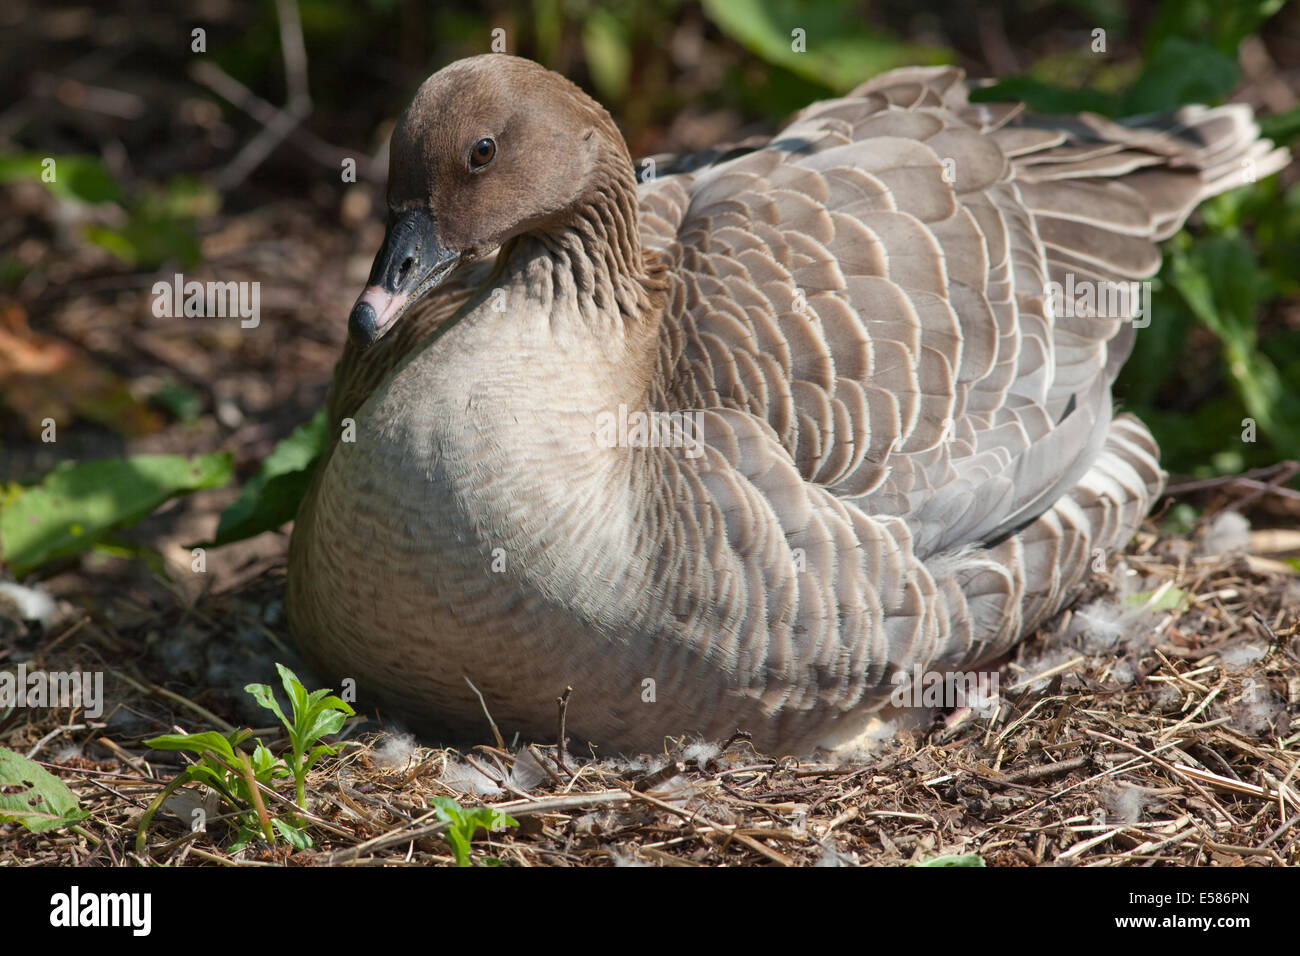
{"x": 1218, "y": 331}
{"x": 235, "y": 776}
{"x": 315, "y": 715}
{"x": 1224, "y": 400}
{"x": 463, "y": 822}
{"x": 238, "y": 777}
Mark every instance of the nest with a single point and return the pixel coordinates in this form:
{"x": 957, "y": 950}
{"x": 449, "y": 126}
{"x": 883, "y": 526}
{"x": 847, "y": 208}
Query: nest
{"x": 1160, "y": 735}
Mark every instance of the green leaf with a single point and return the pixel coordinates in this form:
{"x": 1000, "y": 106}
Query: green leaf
{"x": 33, "y": 796}
{"x": 207, "y": 742}
{"x": 247, "y": 834}
{"x": 1222, "y": 283}
{"x": 1281, "y": 127}
{"x": 83, "y": 178}
{"x": 492, "y": 820}
{"x": 266, "y": 765}
{"x": 299, "y": 699}
{"x": 295, "y": 837}
{"x": 839, "y": 51}
{"x": 459, "y": 845}
{"x": 1224, "y": 287}
{"x": 1170, "y": 600}
{"x": 265, "y": 697}
{"x": 272, "y": 496}
{"x": 1182, "y": 71}
{"x": 160, "y": 225}
{"x": 314, "y": 715}
{"x": 463, "y": 822}
{"x": 78, "y": 502}
{"x": 182, "y": 403}
{"x": 316, "y": 753}
{"x": 216, "y": 778}
{"x": 322, "y": 723}
{"x": 960, "y": 859}
{"x": 604, "y": 39}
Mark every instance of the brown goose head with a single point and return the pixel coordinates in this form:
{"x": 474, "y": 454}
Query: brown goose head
{"x": 490, "y": 148}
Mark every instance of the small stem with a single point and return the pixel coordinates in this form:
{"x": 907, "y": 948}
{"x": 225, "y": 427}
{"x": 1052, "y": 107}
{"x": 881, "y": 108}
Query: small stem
{"x": 300, "y": 779}
{"x": 154, "y": 805}
{"x": 255, "y": 796}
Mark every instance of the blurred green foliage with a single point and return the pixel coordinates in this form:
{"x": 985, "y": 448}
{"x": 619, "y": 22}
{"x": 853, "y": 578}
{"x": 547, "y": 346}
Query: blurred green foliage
{"x": 80, "y": 178}
{"x": 1233, "y": 266}
{"x": 1180, "y": 71}
{"x": 158, "y": 223}
{"x": 77, "y": 504}
{"x": 271, "y": 497}
{"x": 1205, "y": 367}
{"x": 845, "y": 50}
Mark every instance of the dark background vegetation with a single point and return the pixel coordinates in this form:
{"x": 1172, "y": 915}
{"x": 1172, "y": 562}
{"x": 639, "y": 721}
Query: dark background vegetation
{"x": 226, "y": 165}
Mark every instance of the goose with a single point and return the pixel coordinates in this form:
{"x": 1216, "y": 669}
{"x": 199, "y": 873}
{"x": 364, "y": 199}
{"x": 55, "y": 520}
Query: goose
{"x": 734, "y": 445}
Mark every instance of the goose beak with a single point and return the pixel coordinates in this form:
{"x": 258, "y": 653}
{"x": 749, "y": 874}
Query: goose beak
{"x": 411, "y": 262}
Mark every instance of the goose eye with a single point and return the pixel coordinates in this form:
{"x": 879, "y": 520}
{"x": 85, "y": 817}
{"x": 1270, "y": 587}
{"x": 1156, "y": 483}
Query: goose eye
{"x": 482, "y": 153}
